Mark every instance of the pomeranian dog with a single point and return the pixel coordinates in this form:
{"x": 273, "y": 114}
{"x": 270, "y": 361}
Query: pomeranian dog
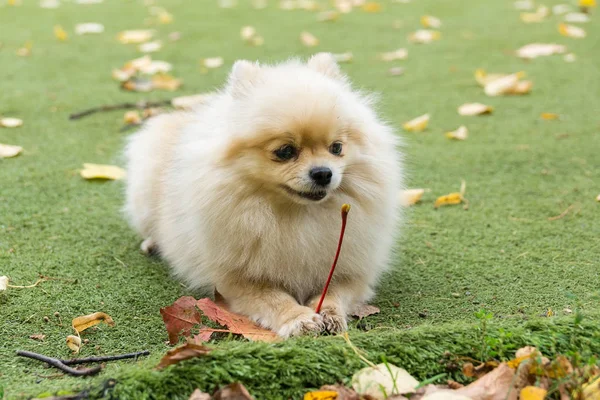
{"x": 243, "y": 194}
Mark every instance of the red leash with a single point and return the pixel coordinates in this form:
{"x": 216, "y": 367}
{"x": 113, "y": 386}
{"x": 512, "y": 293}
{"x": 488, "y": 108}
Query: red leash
{"x": 345, "y": 210}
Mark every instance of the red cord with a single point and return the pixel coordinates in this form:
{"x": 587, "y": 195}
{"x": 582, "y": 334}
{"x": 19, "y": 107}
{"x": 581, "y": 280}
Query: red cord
{"x": 345, "y": 210}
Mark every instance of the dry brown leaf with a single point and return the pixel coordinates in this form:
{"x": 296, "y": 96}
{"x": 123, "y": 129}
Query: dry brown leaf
{"x": 86, "y": 321}
{"x": 423, "y": 36}
{"x": 60, "y": 33}
{"x": 136, "y": 36}
{"x": 233, "y": 391}
{"x": 409, "y": 197}
{"x": 190, "y": 102}
{"x": 200, "y": 395}
{"x": 400, "y": 54}
{"x": 184, "y": 352}
{"x": 9, "y": 151}
{"x": 496, "y": 385}
{"x": 571, "y": 31}
{"x": 74, "y": 343}
{"x": 321, "y": 395}
{"x": 38, "y": 336}
{"x": 89, "y": 28}
{"x": 364, "y": 310}
{"x": 383, "y": 380}
{"x": 100, "y": 171}
{"x": 308, "y": 39}
{"x": 166, "y": 82}
{"x": 470, "y": 109}
{"x": 470, "y": 371}
{"x": 10, "y": 122}
{"x": 534, "y": 50}
{"x": 180, "y": 317}
{"x": 429, "y": 21}
{"x": 418, "y": 124}
{"x": 150, "y": 47}
{"x": 459, "y": 134}
{"x": 532, "y": 393}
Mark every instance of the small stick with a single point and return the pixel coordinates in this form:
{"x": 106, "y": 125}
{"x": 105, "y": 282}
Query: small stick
{"x": 104, "y": 358}
{"x": 55, "y": 362}
{"x": 562, "y": 214}
{"x": 122, "y": 106}
{"x": 345, "y": 211}
{"x": 43, "y": 279}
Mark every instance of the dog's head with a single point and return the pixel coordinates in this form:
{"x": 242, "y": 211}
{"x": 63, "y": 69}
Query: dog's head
{"x": 297, "y": 127}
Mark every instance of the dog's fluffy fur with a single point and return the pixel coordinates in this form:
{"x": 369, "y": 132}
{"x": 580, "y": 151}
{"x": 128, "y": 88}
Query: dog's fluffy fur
{"x": 208, "y": 190}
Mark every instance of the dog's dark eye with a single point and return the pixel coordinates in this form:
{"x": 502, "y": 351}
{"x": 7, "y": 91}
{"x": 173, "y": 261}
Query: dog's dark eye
{"x": 336, "y": 148}
{"x": 286, "y": 152}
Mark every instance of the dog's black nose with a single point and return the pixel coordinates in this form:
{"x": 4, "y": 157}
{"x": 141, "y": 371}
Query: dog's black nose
{"x": 321, "y": 175}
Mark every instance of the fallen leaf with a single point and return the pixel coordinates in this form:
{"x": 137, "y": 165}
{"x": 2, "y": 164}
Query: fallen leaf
{"x": 38, "y": 336}
{"x": 100, "y": 171}
{"x": 9, "y": 151}
{"x": 227, "y": 3}
{"x": 560, "y": 9}
{"x": 135, "y": 36}
{"x": 321, "y": 395}
{"x": 237, "y": 324}
{"x": 247, "y": 33}
{"x": 212, "y": 62}
{"x": 598, "y": 198}
{"x": 496, "y": 385}
{"x": 571, "y": 31}
{"x": 423, "y": 36}
{"x": 460, "y": 134}
{"x": 155, "y": 67}
{"x": 409, "y": 197}
{"x": 132, "y": 118}
{"x": 74, "y": 343}
{"x": 470, "y": 109}
{"x": 3, "y": 283}
{"x": 532, "y": 393}
{"x": 166, "y": 82}
{"x": 364, "y": 310}
{"x": 396, "y": 71}
{"x": 184, "y": 352}
{"x": 577, "y": 18}
{"x": 190, "y": 102}
{"x": 150, "y": 47}
{"x": 570, "y": 57}
{"x": 453, "y": 198}
{"x": 538, "y": 16}
{"x": 549, "y": 116}
{"x": 200, "y": 395}
{"x": 344, "y": 393}
{"x": 138, "y": 85}
{"x": 343, "y": 57}
{"x": 429, "y": 21}
{"x": 383, "y": 380}
{"x": 591, "y": 390}
{"x": 180, "y": 317}
{"x": 503, "y": 85}
{"x": 49, "y": 4}
{"x": 89, "y": 28}
{"x": 371, "y": 7}
{"x": 534, "y": 50}
{"x": 259, "y": 4}
{"x": 400, "y": 54}
{"x": 445, "y": 395}
{"x": 522, "y": 87}
{"x": 470, "y": 371}
{"x": 524, "y": 5}
{"x": 10, "y": 122}
{"x": 86, "y": 321}
{"x": 483, "y": 78}
{"x": 308, "y": 39}
{"x": 328, "y": 16}
{"x": 233, "y": 391}
{"x": 60, "y": 33}
{"x": 418, "y": 124}
{"x": 25, "y": 51}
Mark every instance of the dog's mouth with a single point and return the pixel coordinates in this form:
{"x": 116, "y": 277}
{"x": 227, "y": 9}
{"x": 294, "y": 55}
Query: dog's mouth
{"x": 313, "y": 195}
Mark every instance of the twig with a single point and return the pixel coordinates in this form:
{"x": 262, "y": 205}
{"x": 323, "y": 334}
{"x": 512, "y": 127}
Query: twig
{"x": 104, "y": 358}
{"x": 43, "y": 279}
{"x": 122, "y": 106}
{"x": 55, "y": 362}
{"x": 562, "y": 214}
{"x": 353, "y": 347}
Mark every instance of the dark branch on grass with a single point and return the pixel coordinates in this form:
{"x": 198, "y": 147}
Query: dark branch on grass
{"x": 140, "y": 105}
{"x": 104, "y": 358}
{"x": 55, "y": 362}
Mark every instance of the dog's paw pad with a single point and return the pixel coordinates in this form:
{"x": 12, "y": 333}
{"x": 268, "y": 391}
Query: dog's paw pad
{"x": 306, "y": 323}
{"x": 333, "y": 321}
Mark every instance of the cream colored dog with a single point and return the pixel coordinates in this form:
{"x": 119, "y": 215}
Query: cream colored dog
{"x": 244, "y": 193}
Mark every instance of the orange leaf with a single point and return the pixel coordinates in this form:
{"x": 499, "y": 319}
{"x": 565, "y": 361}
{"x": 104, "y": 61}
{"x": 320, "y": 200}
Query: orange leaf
{"x": 86, "y": 321}
{"x": 180, "y": 318}
{"x": 183, "y": 352}
{"x": 321, "y": 395}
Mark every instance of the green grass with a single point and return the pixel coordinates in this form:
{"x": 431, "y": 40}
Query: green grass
{"x": 503, "y": 254}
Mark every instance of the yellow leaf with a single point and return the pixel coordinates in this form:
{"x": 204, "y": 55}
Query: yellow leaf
{"x": 521, "y": 87}
{"x": 460, "y": 134}
{"x": 418, "y": 124}
{"x": 165, "y": 82}
{"x": 424, "y": 36}
{"x": 470, "y": 109}
{"x": 483, "y": 78}
{"x": 321, "y": 395}
{"x": 371, "y": 7}
{"x": 503, "y": 85}
{"x": 60, "y": 33}
{"x": 25, "y": 50}
{"x": 429, "y": 21}
{"x": 135, "y": 36}
{"x": 74, "y": 343}
{"x": 8, "y": 151}
{"x": 591, "y": 390}
{"x": 535, "y": 50}
{"x": 99, "y": 171}
{"x": 132, "y": 118}
{"x": 165, "y": 17}
{"x": 571, "y": 31}
{"x": 538, "y": 16}
{"x": 587, "y": 3}
{"x": 410, "y": 197}
{"x": 82, "y": 323}
{"x": 399, "y": 54}
{"x": 452, "y": 198}
{"x": 10, "y": 122}
{"x": 532, "y": 393}
{"x": 308, "y": 39}
{"x": 212, "y": 62}
{"x": 549, "y": 116}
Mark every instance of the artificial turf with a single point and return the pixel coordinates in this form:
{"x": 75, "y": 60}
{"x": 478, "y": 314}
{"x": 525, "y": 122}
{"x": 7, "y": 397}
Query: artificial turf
{"x": 503, "y": 254}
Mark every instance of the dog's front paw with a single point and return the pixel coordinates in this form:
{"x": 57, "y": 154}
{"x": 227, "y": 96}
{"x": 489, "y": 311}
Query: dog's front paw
{"x": 334, "y": 321}
{"x": 306, "y": 322}
{"x": 149, "y": 247}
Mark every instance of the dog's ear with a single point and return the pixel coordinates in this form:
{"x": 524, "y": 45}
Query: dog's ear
{"x": 243, "y": 77}
{"x": 325, "y": 63}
